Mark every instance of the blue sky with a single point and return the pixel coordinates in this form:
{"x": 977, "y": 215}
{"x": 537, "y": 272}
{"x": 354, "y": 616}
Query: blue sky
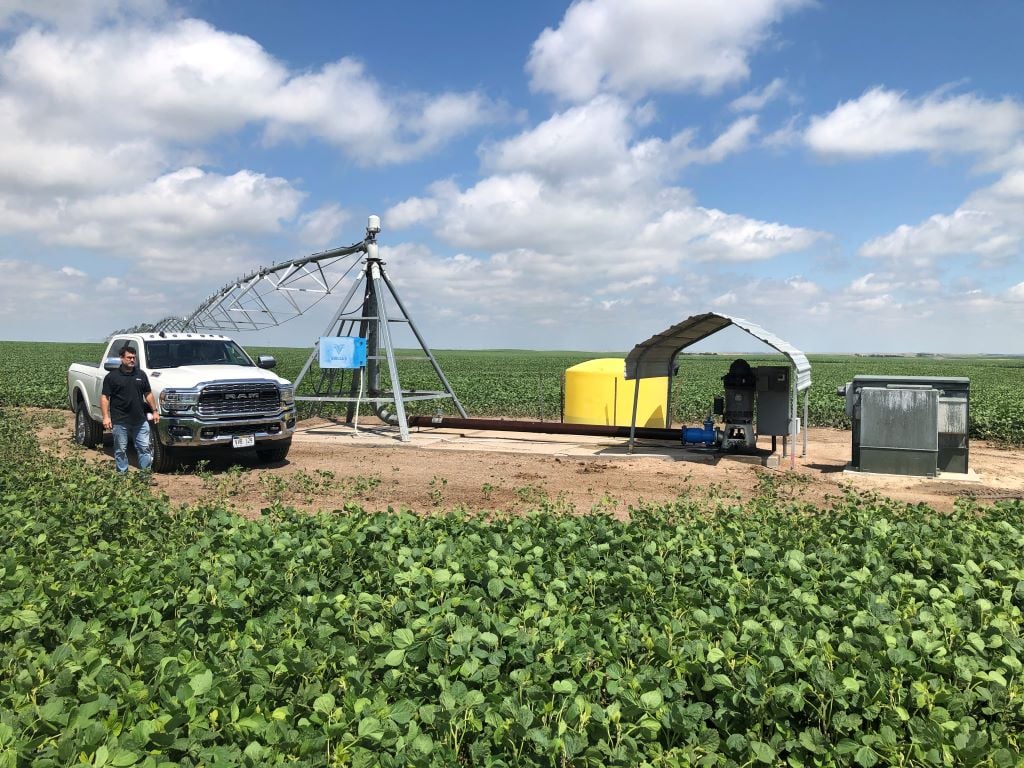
{"x": 550, "y": 176}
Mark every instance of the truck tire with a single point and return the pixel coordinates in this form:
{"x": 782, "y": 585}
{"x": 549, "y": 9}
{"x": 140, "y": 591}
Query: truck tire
{"x": 275, "y": 454}
{"x": 165, "y": 458}
{"x": 88, "y": 432}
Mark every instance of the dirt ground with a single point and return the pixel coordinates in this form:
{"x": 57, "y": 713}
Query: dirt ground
{"x": 329, "y": 467}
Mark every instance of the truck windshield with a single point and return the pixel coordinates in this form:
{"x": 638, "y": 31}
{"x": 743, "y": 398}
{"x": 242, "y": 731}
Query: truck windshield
{"x": 171, "y": 353}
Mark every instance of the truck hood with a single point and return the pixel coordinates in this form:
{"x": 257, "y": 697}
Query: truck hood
{"x": 188, "y": 376}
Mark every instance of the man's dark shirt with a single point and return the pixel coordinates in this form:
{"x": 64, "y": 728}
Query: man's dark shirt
{"x": 126, "y": 392}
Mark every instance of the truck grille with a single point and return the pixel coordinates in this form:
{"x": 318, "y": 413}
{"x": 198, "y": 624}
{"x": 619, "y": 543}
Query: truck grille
{"x": 239, "y": 398}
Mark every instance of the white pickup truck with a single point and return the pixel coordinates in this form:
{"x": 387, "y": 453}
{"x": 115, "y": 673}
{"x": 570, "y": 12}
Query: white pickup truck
{"x": 210, "y": 394}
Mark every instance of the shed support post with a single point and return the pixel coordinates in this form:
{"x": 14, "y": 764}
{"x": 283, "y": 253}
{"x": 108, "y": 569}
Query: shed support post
{"x": 807, "y": 397}
{"x": 632, "y": 421}
{"x": 792, "y": 421}
{"x": 668, "y": 400}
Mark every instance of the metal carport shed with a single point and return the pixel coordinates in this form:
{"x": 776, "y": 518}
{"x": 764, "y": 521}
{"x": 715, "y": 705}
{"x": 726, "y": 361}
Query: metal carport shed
{"x": 656, "y": 357}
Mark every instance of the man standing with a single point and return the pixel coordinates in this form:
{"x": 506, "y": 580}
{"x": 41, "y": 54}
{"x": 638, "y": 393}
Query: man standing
{"x": 122, "y": 403}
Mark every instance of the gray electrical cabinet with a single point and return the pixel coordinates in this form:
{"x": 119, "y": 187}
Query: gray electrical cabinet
{"x": 908, "y": 425}
{"x": 773, "y": 399}
{"x": 899, "y": 430}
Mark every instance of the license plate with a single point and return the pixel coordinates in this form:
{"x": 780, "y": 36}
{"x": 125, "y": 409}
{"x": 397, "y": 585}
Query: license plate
{"x": 243, "y": 441}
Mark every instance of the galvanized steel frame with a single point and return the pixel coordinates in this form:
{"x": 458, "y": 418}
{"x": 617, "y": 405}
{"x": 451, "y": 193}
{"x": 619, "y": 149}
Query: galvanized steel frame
{"x": 373, "y": 314}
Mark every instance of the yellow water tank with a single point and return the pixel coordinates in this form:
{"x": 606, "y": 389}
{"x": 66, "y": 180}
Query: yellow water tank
{"x": 597, "y": 392}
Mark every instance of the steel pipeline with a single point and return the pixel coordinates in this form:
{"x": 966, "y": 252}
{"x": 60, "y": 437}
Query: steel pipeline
{"x": 549, "y": 427}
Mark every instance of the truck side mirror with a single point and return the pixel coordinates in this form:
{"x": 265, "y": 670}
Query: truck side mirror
{"x": 111, "y": 363}
{"x": 266, "y": 361}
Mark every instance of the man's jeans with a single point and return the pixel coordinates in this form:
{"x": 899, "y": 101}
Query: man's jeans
{"x": 140, "y": 435}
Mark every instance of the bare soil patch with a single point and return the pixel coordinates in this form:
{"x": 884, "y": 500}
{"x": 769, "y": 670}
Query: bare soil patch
{"x": 328, "y": 474}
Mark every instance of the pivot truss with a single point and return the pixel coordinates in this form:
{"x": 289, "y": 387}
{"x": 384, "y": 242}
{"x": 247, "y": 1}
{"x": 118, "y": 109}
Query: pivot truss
{"x": 271, "y": 295}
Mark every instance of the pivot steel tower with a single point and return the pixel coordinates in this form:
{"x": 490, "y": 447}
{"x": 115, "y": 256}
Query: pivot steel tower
{"x": 365, "y": 313}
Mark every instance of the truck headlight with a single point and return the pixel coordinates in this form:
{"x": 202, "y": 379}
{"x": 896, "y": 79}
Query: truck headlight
{"x": 173, "y": 400}
{"x": 287, "y": 392}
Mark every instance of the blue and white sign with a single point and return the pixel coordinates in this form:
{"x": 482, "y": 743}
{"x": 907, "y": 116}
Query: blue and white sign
{"x": 342, "y": 352}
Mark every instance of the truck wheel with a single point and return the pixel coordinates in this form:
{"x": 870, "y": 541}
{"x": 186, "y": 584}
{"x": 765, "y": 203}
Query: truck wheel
{"x": 88, "y": 432}
{"x": 275, "y": 454}
{"x": 165, "y": 459}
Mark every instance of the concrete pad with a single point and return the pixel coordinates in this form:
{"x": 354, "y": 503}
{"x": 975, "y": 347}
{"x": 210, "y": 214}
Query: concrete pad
{"x": 745, "y": 458}
{"x": 499, "y": 441}
{"x": 494, "y": 445}
{"x": 970, "y": 476}
{"x": 618, "y": 452}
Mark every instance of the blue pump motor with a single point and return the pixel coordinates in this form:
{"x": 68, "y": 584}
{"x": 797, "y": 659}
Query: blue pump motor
{"x": 698, "y": 435}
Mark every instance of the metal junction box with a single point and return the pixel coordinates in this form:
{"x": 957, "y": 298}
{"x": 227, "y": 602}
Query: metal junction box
{"x": 773, "y": 399}
{"x": 909, "y": 425}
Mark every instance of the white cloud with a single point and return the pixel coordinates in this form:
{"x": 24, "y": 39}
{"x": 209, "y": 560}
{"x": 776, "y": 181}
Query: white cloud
{"x": 988, "y": 225}
{"x": 186, "y": 81}
{"x": 33, "y": 161}
{"x": 447, "y": 115}
{"x": 629, "y": 285}
{"x": 703, "y": 234}
{"x": 882, "y": 121}
{"x": 30, "y": 291}
{"x": 321, "y": 228}
{"x": 874, "y": 284}
{"x": 374, "y": 129}
{"x": 595, "y": 142}
{"x": 588, "y": 140}
{"x": 31, "y": 287}
{"x": 186, "y": 227}
{"x": 77, "y": 14}
{"x": 575, "y": 208}
{"x": 726, "y": 300}
{"x": 408, "y": 213}
{"x": 649, "y": 45}
{"x": 891, "y": 300}
{"x": 868, "y": 284}
{"x": 875, "y": 313}
{"x": 506, "y": 287}
{"x": 964, "y": 231}
{"x": 880, "y": 303}
{"x": 735, "y": 139}
{"x": 788, "y": 135}
{"x": 184, "y": 205}
{"x": 103, "y": 132}
{"x": 768, "y": 294}
{"x": 111, "y": 283}
{"x": 756, "y": 100}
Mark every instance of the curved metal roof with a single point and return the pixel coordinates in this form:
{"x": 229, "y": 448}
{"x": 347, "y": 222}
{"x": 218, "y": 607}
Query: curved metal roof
{"x": 654, "y": 357}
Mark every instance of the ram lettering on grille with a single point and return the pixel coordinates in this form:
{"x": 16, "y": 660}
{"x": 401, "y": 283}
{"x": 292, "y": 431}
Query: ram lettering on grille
{"x": 238, "y": 398}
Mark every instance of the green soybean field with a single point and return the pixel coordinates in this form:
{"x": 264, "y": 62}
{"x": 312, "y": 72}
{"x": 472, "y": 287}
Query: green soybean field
{"x": 528, "y": 384}
{"x": 705, "y": 632}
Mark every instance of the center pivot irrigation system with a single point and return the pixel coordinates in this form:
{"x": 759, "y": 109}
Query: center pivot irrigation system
{"x": 279, "y": 293}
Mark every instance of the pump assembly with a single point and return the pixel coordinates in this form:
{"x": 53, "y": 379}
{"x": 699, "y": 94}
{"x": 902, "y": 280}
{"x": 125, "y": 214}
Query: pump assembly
{"x": 755, "y": 402}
